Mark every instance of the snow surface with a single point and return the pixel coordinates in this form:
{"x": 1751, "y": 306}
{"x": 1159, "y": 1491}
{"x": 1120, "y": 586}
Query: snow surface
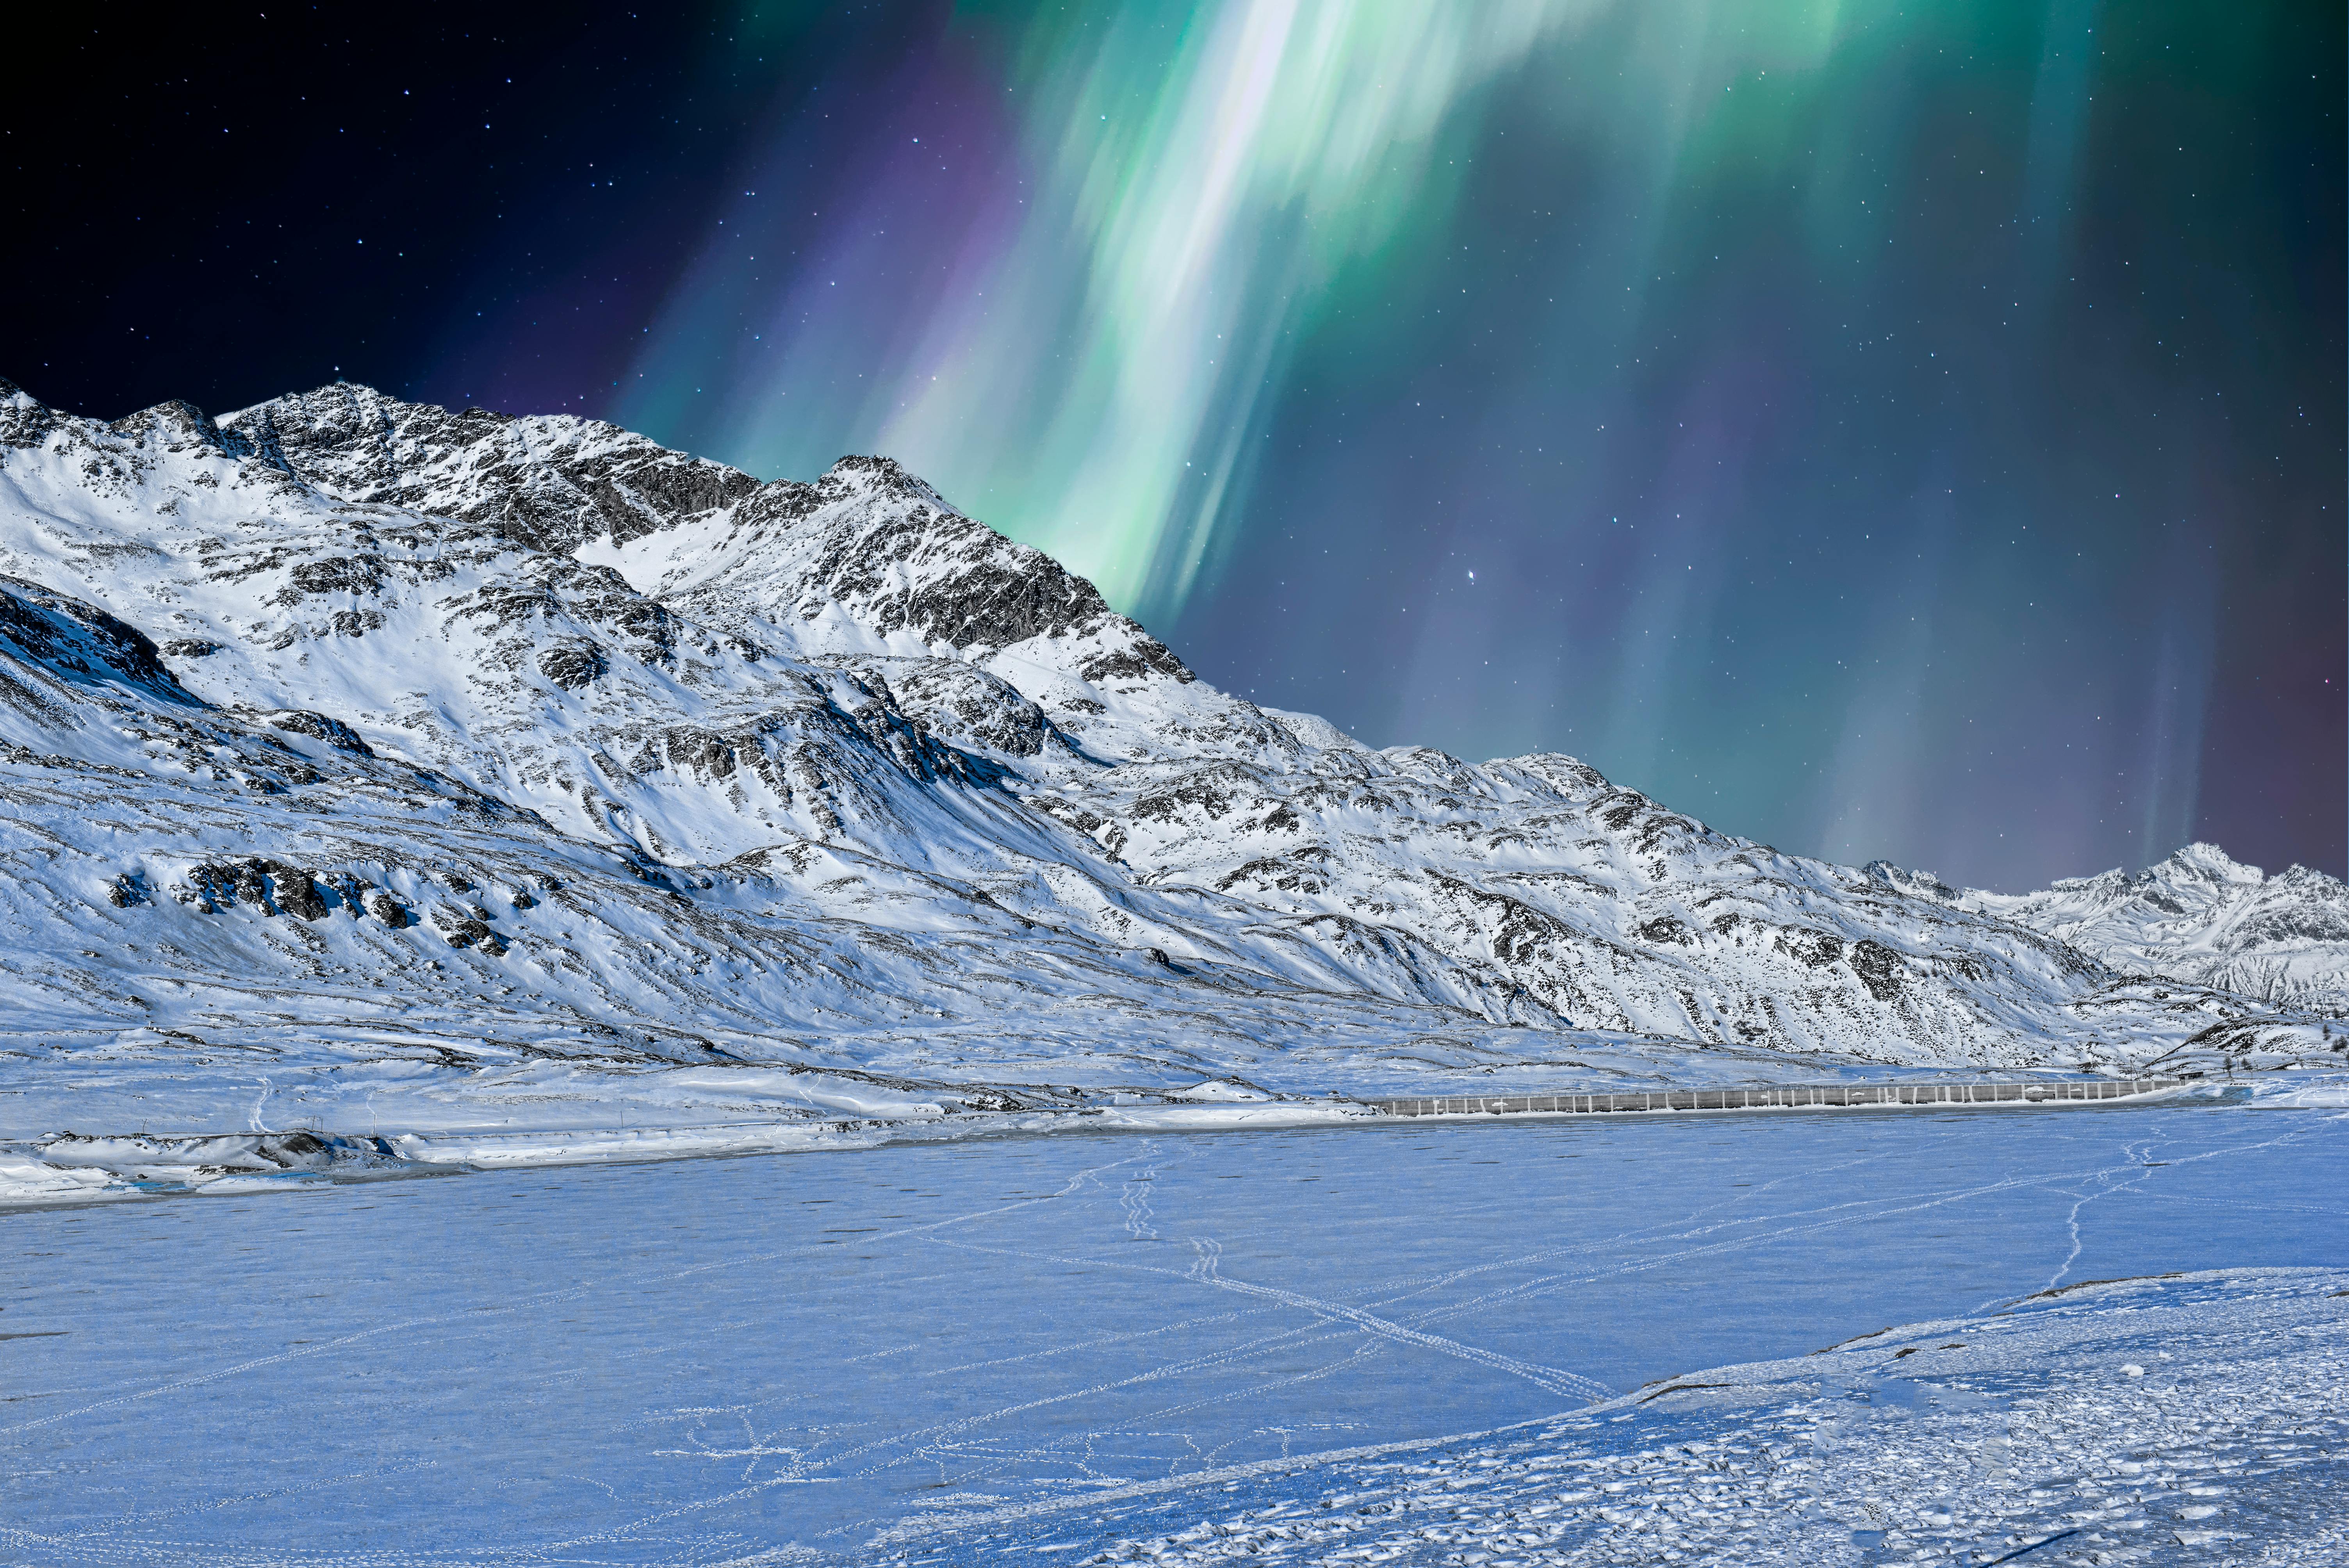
{"x": 1195, "y": 1345}
{"x": 2202, "y": 1418}
{"x": 376, "y": 770}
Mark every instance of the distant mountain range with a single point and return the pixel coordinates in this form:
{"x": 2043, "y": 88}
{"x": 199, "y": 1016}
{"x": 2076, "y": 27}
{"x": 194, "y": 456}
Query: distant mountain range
{"x": 2196, "y": 916}
{"x": 346, "y": 724}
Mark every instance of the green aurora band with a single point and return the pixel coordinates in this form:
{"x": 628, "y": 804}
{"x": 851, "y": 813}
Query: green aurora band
{"x": 1849, "y": 406}
{"x": 1197, "y": 188}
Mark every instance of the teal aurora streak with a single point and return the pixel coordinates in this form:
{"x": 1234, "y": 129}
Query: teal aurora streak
{"x": 1859, "y": 419}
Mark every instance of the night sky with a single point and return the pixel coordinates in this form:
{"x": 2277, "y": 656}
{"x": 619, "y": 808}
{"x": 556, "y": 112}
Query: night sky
{"x": 1910, "y": 430}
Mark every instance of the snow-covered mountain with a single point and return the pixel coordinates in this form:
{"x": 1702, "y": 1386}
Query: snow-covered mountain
{"x": 2198, "y": 916}
{"x": 347, "y": 728}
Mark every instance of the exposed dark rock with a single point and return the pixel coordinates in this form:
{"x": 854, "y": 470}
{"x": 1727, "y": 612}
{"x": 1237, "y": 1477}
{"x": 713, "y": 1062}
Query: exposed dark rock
{"x": 1817, "y": 948}
{"x": 1143, "y": 657}
{"x": 1281, "y": 875}
{"x": 1878, "y": 968}
{"x": 80, "y": 642}
{"x": 463, "y": 928}
{"x": 297, "y": 893}
{"x": 1667, "y": 930}
{"x": 338, "y": 574}
{"x": 571, "y": 666}
{"x": 271, "y": 886}
{"x": 318, "y": 726}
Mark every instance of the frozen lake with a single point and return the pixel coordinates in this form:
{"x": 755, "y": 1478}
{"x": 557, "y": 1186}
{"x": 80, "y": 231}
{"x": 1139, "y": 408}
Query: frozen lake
{"x": 945, "y": 1351}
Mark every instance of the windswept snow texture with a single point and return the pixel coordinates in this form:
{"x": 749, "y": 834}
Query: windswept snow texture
{"x": 350, "y": 740}
{"x": 2191, "y": 1419}
{"x": 1209, "y": 1346}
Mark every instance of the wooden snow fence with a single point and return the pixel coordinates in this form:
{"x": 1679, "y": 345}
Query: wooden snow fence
{"x": 1792, "y": 1097}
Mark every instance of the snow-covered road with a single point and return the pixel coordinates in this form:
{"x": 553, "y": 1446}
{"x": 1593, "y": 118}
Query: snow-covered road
{"x": 1173, "y": 1345}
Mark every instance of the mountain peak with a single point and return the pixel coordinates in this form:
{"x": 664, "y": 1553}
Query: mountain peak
{"x": 2205, "y": 863}
{"x": 552, "y": 481}
{"x": 2200, "y": 914}
{"x": 174, "y": 417}
{"x": 886, "y": 475}
{"x": 1917, "y": 883}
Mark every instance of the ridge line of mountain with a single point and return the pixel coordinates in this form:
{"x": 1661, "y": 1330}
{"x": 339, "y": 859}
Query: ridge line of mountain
{"x": 839, "y": 773}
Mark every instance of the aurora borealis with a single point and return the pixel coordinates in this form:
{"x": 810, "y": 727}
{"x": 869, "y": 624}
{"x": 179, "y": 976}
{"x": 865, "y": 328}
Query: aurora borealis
{"x": 1882, "y": 429}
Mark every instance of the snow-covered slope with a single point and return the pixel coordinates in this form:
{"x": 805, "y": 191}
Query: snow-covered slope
{"x": 2199, "y": 916}
{"x": 349, "y": 727}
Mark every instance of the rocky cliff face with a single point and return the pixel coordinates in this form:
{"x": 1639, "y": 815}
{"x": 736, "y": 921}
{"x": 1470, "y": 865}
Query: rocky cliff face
{"x": 347, "y": 717}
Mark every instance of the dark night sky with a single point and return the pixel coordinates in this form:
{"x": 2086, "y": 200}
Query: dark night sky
{"x": 1917, "y": 432}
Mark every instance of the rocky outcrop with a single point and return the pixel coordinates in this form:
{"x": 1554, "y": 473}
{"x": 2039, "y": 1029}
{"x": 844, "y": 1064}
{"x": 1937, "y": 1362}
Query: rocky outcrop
{"x": 272, "y": 887}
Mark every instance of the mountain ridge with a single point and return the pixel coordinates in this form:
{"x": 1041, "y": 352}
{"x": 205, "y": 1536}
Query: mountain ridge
{"x": 829, "y": 774}
{"x": 2198, "y": 914}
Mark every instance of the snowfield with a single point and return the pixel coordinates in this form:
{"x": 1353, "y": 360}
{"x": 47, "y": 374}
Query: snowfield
{"x": 2197, "y": 1418}
{"x": 1554, "y": 1341}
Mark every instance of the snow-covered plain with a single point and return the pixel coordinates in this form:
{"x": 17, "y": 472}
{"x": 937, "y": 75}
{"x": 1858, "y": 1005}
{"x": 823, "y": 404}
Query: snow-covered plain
{"x": 2198, "y": 1418}
{"x": 1215, "y": 1346}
